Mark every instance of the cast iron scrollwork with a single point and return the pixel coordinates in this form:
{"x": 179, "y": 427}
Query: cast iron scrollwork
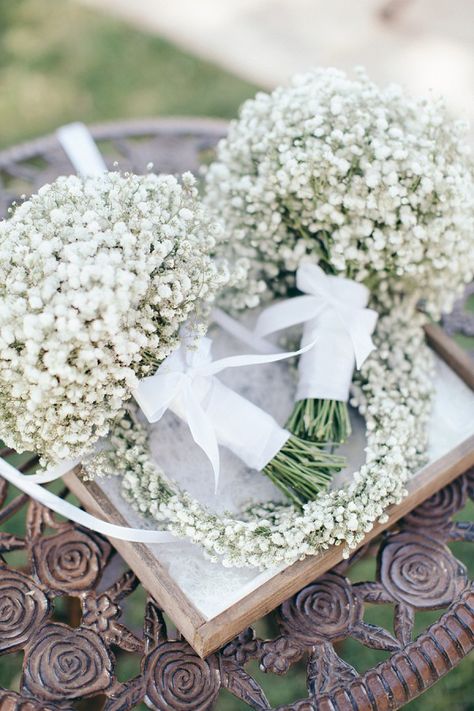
{"x": 415, "y": 571}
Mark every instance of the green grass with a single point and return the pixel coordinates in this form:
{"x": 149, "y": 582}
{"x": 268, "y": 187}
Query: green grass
{"x": 61, "y": 62}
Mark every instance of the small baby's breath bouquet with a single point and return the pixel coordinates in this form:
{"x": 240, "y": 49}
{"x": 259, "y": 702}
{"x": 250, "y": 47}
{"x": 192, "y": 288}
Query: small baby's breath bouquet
{"x": 96, "y": 277}
{"x": 354, "y": 195}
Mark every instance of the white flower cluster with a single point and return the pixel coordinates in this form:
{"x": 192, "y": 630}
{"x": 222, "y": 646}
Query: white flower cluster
{"x": 369, "y": 182}
{"x": 96, "y": 276}
{"x": 394, "y": 395}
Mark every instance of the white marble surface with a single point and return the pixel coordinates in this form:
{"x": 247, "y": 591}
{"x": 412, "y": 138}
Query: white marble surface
{"x": 211, "y": 587}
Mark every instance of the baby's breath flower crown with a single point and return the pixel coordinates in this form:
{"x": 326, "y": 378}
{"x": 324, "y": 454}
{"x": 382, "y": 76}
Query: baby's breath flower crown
{"x": 393, "y": 393}
{"x": 96, "y": 277}
{"x": 368, "y": 182}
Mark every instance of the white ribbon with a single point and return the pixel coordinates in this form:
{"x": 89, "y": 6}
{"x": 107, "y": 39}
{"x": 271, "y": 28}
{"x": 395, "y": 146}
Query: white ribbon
{"x": 242, "y": 333}
{"x": 81, "y": 149}
{"x": 56, "y": 472}
{"x": 28, "y": 483}
{"x": 333, "y": 309}
{"x": 228, "y": 418}
{"x": 186, "y": 384}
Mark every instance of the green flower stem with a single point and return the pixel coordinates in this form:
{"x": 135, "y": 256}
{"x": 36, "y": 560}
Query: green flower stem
{"x": 320, "y": 421}
{"x": 302, "y": 470}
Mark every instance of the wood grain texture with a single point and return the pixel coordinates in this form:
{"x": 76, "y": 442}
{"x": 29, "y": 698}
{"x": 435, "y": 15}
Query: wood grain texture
{"x": 223, "y": 627}
{"x": 457, "y": 359}
{"x": 152, "y": 574}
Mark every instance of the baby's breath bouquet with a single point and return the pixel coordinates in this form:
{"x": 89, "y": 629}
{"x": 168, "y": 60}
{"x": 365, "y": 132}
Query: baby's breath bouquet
{"x": 100, "y": 278}
{"x": 365, "y": 183}
{"x": 96, "y": 277}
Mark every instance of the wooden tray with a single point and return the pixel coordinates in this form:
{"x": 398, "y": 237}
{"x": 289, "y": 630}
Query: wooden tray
{"x": 206, "y": 632}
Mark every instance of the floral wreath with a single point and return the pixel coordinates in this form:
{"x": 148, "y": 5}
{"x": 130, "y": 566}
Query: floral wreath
{"x": 393, "y": 393}
{"x": 375, "y": 187}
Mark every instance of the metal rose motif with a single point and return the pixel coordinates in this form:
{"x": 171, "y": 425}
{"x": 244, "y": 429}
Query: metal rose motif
{"x": 415, "y": 665}
{"x": 70, "y": 561}
{"x": 65, "y": 663}
{"x": 435, "y": 513}
{"x": 419, "y": 571}
{"x": 23, "y": 607}
{"x": 178, "y": 680}
{"x": 326, "y": 609}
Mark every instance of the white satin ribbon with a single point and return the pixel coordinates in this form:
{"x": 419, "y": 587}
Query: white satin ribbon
{"x": 28, "y": 483}
{"x": 56, "y": 472}
{"x": 242, "y": 333}
{"x": 334, "y": 309}
{"x": 228, "y": 418}
{"x": 186, "y": 384}
{"x": 81, "y": 149}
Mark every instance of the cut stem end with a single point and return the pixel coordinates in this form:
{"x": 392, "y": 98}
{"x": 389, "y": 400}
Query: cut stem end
{"x": 302, "y": 470}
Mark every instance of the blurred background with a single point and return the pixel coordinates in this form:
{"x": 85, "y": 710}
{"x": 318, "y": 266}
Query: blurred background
{"x": 95, "y": 60}
{"x": 63, "y": 60}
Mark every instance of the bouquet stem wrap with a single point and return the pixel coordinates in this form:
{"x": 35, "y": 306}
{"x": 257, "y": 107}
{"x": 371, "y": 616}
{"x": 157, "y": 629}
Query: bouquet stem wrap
{"x": 185, "y": 383}
{"x": 343, "y": 328}
{"x": 333, "y": 311}
{"x": 240, "y": 425}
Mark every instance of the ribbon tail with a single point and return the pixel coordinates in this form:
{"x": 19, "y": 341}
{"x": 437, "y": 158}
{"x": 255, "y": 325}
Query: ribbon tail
{"x": 55, "y": 473}
{"x": 239, "y": 361}
{"x": 202, "y": 431}
{"x": 288, "y": 313}
{"x": 82, "y": 518}
{"x": 362, "y": 350}
{"x": 81, "y": 149}
{"x": 241, "y": 333}
{"x": 365, "y": 325}
{"x": 360, "y": 326}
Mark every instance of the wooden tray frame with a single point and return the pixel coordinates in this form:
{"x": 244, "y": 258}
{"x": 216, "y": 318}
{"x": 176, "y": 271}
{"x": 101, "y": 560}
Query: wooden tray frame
{"x": 206, "y": 636}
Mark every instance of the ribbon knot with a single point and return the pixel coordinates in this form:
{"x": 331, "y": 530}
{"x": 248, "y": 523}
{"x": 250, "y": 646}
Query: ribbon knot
{"x": 344, "y": 298}
{"x": 185, "y": 382}
{"x": 182, "y": 383}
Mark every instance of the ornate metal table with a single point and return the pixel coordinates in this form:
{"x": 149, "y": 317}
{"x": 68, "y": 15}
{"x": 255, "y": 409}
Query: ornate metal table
{"x": 66, "y": 662}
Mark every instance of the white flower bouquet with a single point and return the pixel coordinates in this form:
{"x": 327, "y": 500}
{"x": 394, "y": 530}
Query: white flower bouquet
{"x": 97, "y": 276}
{"x": 374, "y": 187}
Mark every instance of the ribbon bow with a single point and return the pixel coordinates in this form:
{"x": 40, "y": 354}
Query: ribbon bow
{"x": 346, "y": 298}
{"x": 184, "y": 382}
